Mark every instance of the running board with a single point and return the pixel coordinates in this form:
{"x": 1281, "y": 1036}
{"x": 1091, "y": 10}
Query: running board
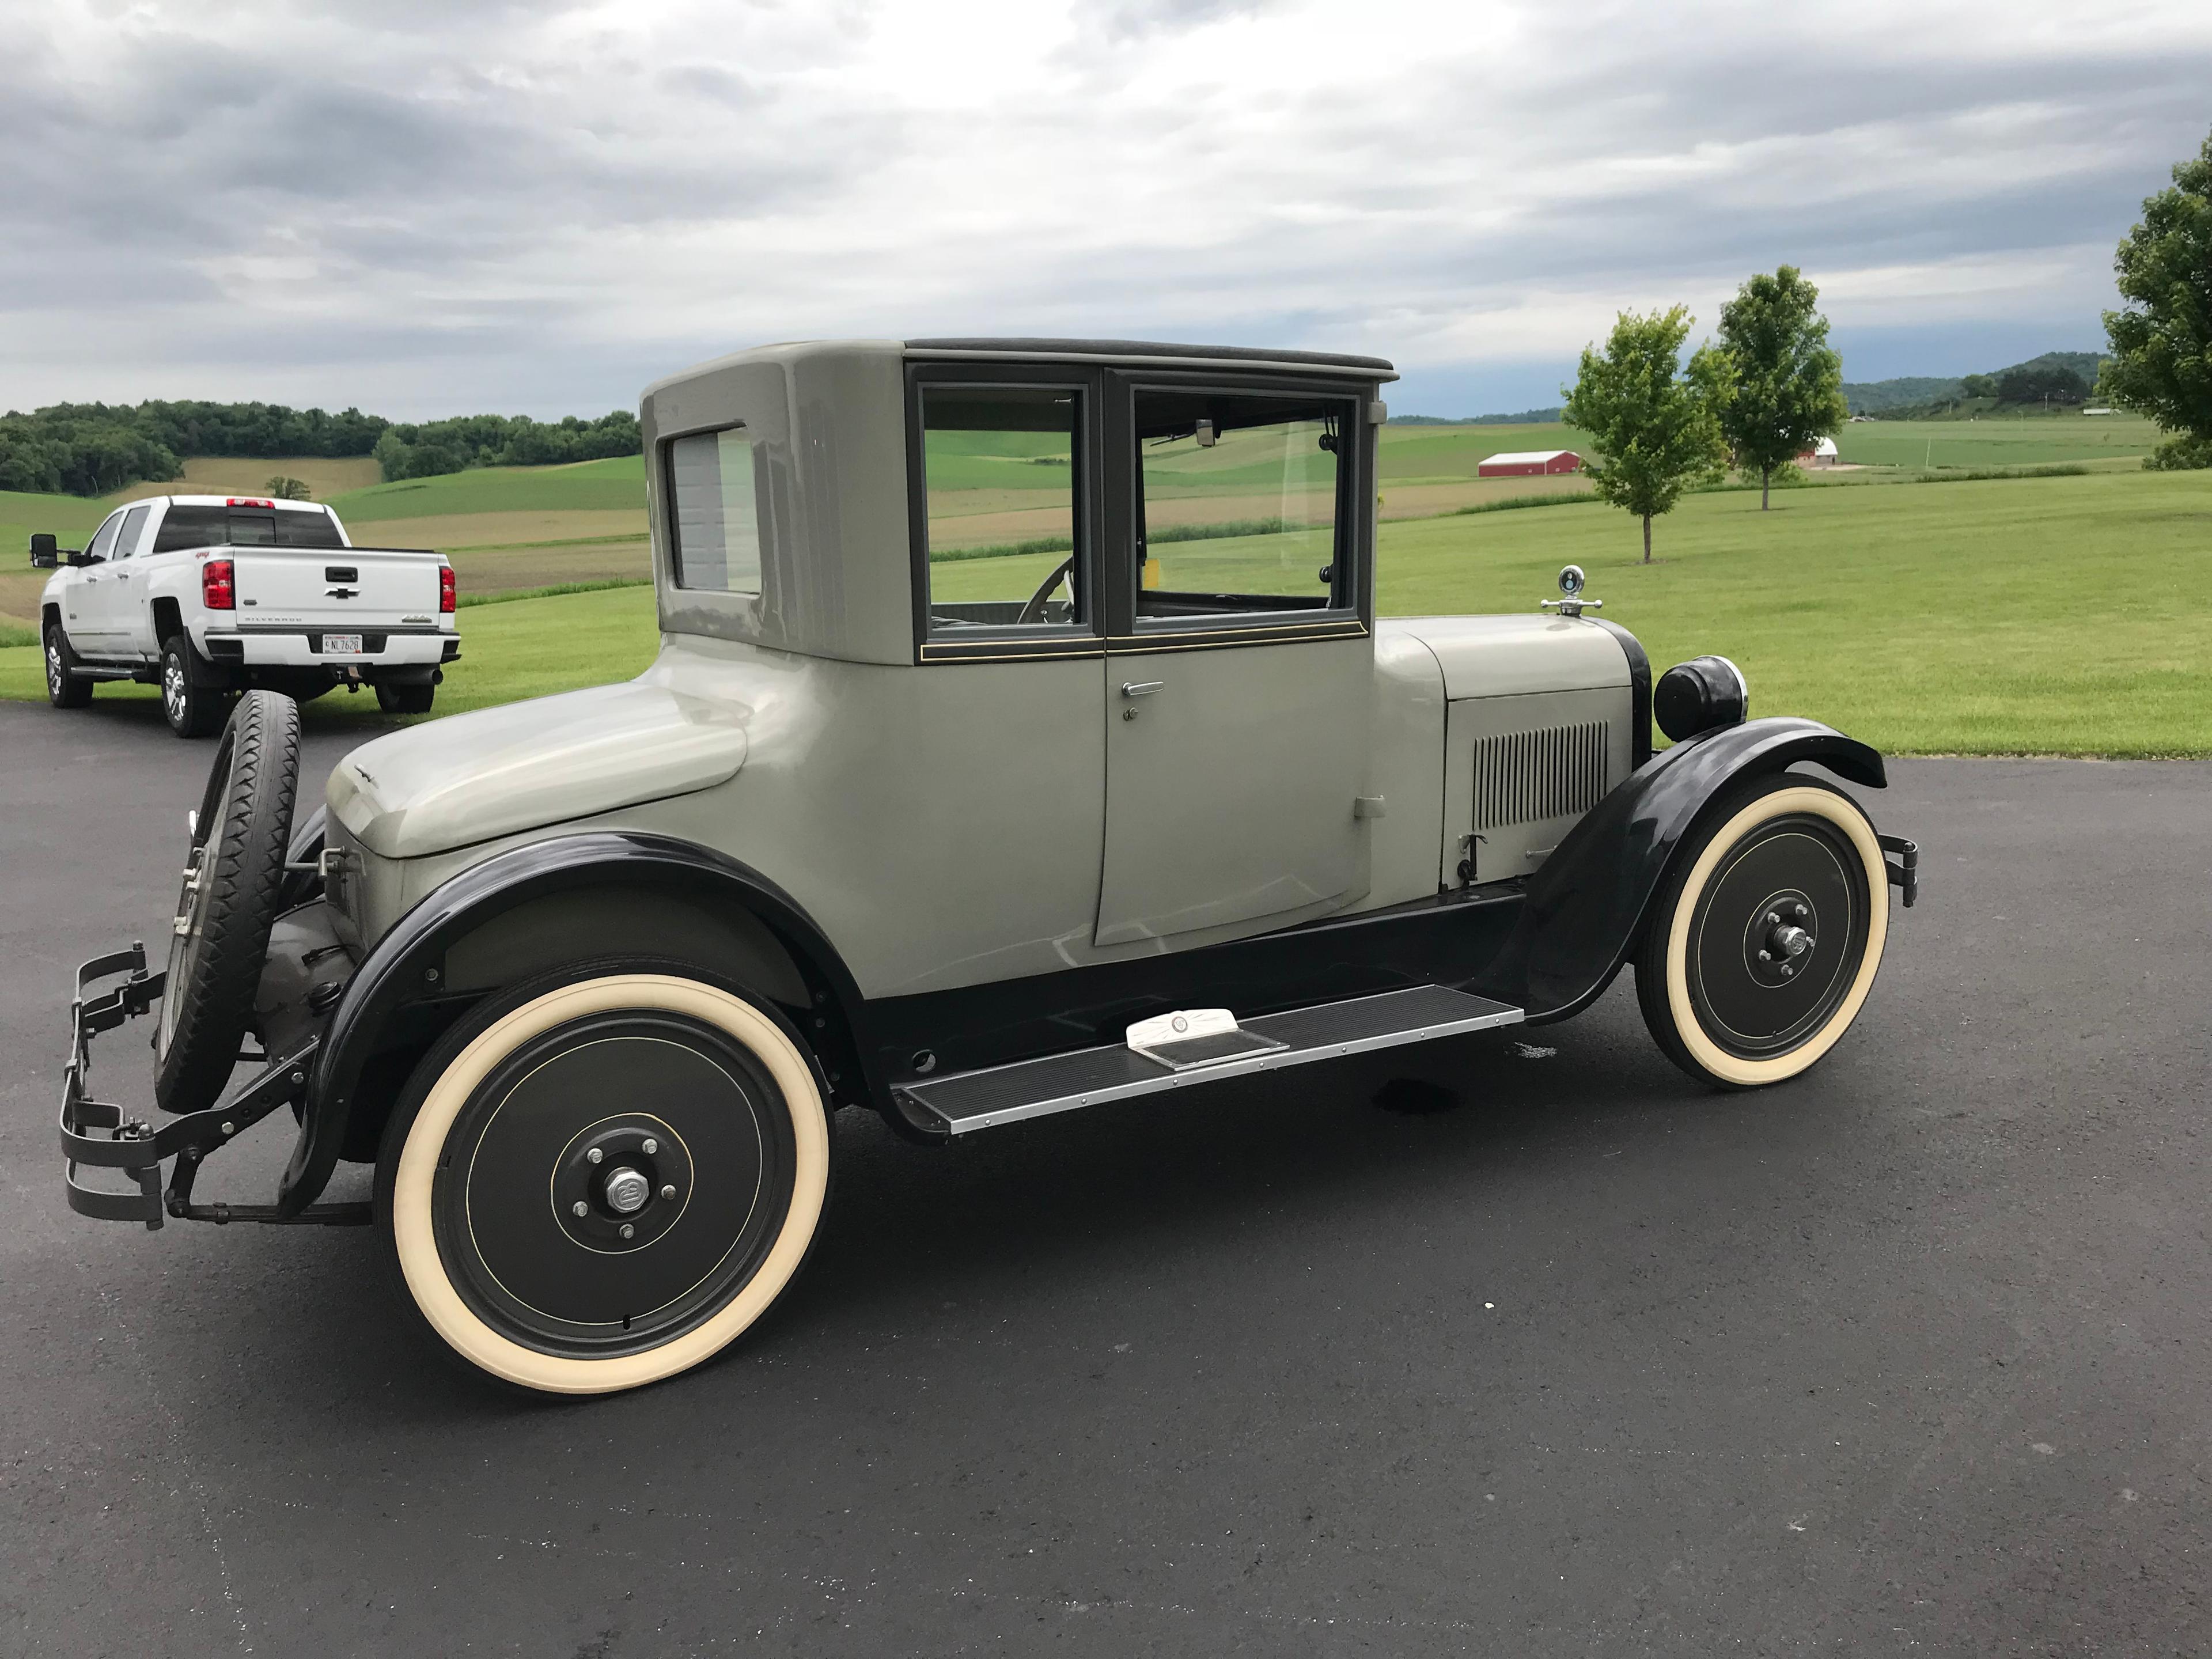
{"x": 966, "y": 1101}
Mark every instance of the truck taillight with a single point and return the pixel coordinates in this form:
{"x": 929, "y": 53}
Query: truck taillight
{"x": 217, "y": 591}
{"x": 446, "y": 591}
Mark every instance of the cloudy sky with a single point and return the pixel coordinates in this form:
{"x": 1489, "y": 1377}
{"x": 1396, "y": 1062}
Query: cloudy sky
{"x": 431, "y": 206}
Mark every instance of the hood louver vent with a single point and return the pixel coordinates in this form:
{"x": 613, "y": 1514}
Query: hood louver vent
{"x": 1526, "y": 777}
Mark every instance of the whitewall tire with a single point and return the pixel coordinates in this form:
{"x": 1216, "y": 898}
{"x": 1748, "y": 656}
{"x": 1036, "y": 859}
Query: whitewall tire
{"x": 604, "y": 1177}
{"x": 1766, "y": 934}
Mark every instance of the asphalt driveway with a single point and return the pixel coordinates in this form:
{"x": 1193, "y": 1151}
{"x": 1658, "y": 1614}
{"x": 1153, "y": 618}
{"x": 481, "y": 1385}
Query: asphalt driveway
{"x": 1910, "y": 1356}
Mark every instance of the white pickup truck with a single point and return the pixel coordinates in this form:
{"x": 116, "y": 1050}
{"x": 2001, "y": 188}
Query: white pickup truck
{"x": 207, "y": 595}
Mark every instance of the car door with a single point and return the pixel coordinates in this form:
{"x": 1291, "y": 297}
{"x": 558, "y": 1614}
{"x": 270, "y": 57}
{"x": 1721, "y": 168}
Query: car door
{"x": 1241, "y": 663}
{"x": 122, "y": 593}
{"x": 87, "y": 611}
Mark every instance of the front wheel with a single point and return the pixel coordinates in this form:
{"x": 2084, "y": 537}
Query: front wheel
{"x": 604, "y": 1176}
{"x": 65, "y": 687}
{"x": 1767, "y": 935}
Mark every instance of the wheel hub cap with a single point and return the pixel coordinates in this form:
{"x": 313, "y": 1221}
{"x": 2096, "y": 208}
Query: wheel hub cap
{"x": 627, "y": 1191}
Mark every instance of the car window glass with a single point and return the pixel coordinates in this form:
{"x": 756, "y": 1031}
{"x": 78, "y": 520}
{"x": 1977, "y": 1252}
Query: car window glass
{"x": 297, "y": 529}
{"x": 105, "y": 539}
{"x": 126, "y": 539}
{"x": 999, "y": 473}
{"x": 712, "y": 483}
{"x": 1240, "y": 503}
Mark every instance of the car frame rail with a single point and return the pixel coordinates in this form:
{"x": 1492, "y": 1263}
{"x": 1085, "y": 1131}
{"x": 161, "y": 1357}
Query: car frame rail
{"x": 100, "y": 1134}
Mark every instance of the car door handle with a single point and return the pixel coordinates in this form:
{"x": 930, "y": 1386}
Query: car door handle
{"x": 1141, "y": 688}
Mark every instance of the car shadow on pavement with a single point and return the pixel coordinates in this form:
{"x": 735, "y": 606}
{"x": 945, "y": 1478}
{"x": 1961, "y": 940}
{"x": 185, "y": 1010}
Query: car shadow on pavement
{"x": 1038, "y": 1213}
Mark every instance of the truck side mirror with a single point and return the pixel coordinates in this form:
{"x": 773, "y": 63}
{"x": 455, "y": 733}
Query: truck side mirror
{"x": 78, "y": 560}
{"x": 43, "y": 554}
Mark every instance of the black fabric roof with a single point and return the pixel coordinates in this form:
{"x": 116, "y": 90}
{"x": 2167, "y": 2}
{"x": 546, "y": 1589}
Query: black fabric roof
{"x": 1147, "y": 349}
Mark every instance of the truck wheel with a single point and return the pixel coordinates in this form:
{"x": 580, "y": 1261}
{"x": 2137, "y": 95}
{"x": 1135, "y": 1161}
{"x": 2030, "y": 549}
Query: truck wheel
{"x": 405, "y": 697}
{"x": 1766, "y": 934}
{"x": 233, "y": 876}
{"x": 65, "y": 689}
{"x": 602, "y": 1178}
{"x": 191, "y": 703}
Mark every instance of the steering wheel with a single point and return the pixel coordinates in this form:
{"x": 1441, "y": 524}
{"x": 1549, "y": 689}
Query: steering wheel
{"x": 1034, "y": 611}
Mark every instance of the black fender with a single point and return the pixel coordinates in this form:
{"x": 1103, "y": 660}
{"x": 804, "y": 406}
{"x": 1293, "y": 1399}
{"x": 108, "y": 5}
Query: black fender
{"x": 1586, "y": 904}
{"x": 404, "y": 973}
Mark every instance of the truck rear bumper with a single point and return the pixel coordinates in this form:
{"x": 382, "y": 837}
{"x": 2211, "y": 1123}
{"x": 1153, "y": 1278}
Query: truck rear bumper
{"x": 302, "y": 647}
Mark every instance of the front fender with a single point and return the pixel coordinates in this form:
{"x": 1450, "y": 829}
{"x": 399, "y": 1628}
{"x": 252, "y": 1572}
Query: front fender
{"x": 406, "y": 968}
{"x": 1586, "y": 905}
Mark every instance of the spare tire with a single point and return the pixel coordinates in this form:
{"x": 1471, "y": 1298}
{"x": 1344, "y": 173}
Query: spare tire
{"x": 234, "y": 876}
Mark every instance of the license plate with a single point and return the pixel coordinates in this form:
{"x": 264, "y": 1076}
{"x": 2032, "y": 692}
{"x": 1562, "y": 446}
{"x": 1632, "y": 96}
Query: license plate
{"x": 341, "y": 645}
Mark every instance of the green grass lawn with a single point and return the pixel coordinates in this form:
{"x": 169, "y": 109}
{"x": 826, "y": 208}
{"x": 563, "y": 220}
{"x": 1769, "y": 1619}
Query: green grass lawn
{"x": 518, "y": 648}
{"x": 2064, "y": 615}
{"x": 1998, "y": 441}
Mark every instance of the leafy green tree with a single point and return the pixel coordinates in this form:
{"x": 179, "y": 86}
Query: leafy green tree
{"x": 2035, "y": 383}
{"x": 2161, "y": 340}
{"x": 288, "y": 490}
{"x": 1789, "y": 388}
{"x": 1978, "y": 386}
{"x": 1658, "y": 430}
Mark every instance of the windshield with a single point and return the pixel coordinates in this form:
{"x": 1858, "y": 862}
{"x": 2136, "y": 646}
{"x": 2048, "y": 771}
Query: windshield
{"x": 246, "y": 526}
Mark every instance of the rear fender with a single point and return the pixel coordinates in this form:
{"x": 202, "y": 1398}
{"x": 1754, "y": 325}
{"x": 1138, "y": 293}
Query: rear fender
{"x": 1586, "y": 906}
{"x": 431, "y": 967}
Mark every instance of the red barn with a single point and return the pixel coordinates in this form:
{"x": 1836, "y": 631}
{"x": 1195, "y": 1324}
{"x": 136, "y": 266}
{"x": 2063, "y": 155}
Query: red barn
{"x": 1530, "y": 464}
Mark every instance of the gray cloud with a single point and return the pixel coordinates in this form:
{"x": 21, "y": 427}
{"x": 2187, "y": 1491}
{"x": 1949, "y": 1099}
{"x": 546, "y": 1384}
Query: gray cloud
{"x": 430, "y": 207}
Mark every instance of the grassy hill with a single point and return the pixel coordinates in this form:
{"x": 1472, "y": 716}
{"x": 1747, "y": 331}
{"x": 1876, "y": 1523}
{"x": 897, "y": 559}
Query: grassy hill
{"x": 1917, "y": 391}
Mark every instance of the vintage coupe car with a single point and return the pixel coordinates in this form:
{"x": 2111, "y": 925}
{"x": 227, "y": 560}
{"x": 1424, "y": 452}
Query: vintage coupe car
{"x": 1023, "y": 738}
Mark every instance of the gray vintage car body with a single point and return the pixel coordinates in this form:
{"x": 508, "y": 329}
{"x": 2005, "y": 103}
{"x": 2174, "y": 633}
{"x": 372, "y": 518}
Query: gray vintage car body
{"x": 950, "y": 840}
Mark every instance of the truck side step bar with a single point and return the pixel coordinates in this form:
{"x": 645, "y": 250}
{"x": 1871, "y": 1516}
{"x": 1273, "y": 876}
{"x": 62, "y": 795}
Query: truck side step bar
{"x": 967, "y": 1101}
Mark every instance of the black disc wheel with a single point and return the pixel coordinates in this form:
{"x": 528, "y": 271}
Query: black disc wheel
{"x": 234, "y": 876}
{"x": 65, "y": 688}
{"x": 602, "y": 1178}
{"x": 1767, "y": 934}
{"x": 193, "y": 701}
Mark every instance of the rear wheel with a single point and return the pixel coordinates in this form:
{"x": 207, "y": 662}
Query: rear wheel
{"x": 65, "y": 688}
{"x": 1767, "y": 934}
{"x": 192, "y": 700}
{"x": 405, "y": 697}
{"x": 234, "y": 876}
{"x": 604, "y": 1176}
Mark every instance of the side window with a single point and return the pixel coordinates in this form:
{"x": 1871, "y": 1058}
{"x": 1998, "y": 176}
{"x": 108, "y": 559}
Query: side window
{"x": 126, "y": 540}
{"x": 715, "y": 512}
{"x": 1004, "y": 501}
{"x": 1243, "y": 503}
{"x": 105, "y": 539}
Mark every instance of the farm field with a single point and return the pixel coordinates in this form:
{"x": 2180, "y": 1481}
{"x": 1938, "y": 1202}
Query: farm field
{"x": 1996, "y": 617}
{"x": 1997, "y": 440}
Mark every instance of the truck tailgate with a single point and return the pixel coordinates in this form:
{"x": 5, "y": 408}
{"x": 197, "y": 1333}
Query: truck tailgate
{"x": 330, "y": 588}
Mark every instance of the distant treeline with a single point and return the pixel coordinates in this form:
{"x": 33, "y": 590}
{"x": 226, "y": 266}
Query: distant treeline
{"x": 2064, "y": 378}
{"x": 1525, "y": 417}
{"x": 92, "y": 449}
{"x": 434, "y": 446}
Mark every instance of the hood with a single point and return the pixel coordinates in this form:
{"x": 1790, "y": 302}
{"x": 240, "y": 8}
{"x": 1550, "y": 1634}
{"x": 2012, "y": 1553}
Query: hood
{"x": 1510, "y": 656}
{"x": 473, "y": 777}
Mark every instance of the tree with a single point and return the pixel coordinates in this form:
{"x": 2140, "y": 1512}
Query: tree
{"x": 2161, "y": 340}
{"x": 288, "y": 490}
{"x": 1789, "y": 386}
{"x": 1978, "y": 386}
{"x": 1658, "y": 430}
{"x": 2035, "y": 383}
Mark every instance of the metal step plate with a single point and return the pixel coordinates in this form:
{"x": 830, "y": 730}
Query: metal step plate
{"x": 967, "y": 1101}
